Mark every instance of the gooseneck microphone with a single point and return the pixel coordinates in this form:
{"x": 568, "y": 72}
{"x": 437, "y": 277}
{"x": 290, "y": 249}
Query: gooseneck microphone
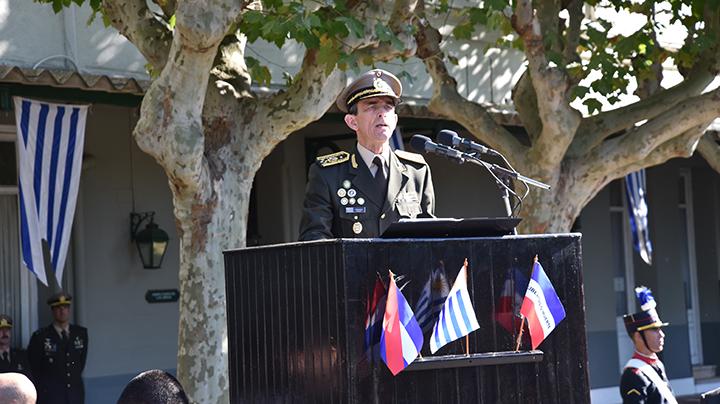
{"x": 451, "y": 138}
{"x": 423, "y": 144}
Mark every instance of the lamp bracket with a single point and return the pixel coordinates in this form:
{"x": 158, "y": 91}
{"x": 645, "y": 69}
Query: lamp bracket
{"x": 137, "y": 219}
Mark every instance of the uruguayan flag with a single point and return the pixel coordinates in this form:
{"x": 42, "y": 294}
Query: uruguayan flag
{"x": 50, "y": 146}
{"x": 457, "y": 319}
{"x": 432, "y": 298}
{"x": 635, "y": 188}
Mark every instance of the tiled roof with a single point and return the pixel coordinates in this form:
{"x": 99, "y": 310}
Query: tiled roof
{"x": 72, "y": 79}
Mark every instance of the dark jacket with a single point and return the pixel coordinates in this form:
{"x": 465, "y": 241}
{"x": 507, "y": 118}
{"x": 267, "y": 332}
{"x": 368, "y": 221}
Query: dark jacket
{"x": 635, "y": 387}
{"x": 18, "y": 363}
{"x": 57, "y": 365}
{"x": 326, "y": 215}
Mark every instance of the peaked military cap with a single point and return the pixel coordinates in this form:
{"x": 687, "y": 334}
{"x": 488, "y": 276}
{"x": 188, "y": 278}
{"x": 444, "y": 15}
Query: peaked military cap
{"x": 5, "y": 321}
{"x": 648, "y": 317}
{"x": 375, "y": 83}
{"x": 59, "y": 299}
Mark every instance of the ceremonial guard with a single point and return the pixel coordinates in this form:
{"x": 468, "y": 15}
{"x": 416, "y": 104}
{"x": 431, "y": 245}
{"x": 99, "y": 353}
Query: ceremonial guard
{"x": 11, "y": 359}
{"x": 361, "y": 192}
{"x": 644, "y": 379}
{"x": 57, "y": 356}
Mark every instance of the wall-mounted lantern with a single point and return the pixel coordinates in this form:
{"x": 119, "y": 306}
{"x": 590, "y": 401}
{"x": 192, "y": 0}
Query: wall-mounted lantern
{"x": 151, "y": 242}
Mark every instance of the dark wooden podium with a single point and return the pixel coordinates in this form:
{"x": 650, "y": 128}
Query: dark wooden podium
{"x": 296, "y": 320}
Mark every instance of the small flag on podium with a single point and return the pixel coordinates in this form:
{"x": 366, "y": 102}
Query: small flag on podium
{"x": 541, "y": 307}
{"x": 402, "y": 338}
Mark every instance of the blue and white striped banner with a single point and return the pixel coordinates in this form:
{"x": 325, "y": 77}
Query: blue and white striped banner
{"x": 50, "y": 147}
{"x": 636, "y": 190}
{"x": 457, "y": 319}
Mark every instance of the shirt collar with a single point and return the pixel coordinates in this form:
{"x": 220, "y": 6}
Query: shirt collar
{"x": 369, "y": 156}
{"x": 59, "y": 329}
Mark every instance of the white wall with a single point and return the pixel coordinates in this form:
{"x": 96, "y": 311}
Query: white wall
{"x": 126, "y": 333}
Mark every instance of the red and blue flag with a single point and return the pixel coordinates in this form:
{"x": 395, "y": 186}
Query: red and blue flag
{"x": 541, "y": 307}
{"x": 401, "y": 339}
{"x": 374, "y": 313}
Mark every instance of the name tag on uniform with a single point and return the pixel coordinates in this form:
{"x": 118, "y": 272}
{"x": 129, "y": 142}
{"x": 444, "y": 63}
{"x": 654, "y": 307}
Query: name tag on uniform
{"x": 355, "y": 209}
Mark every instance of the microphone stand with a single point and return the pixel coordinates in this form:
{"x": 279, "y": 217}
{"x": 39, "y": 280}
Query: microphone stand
{"x": 503, "y": 176}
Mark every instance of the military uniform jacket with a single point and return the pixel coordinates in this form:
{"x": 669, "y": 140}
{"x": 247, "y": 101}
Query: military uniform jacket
{"x": 57, "y": 365}
{"x": 18, "y": 363}
{"x": 341, "y": 200}
{"x": 635, "y": 387}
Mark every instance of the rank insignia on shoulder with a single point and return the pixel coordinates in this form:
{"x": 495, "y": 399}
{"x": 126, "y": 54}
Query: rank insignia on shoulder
{"x": 334, "y": 158}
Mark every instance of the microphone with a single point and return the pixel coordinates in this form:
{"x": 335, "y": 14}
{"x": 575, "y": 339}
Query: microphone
{"x": 451, "y": 138}
{"x": 423, "y": 144}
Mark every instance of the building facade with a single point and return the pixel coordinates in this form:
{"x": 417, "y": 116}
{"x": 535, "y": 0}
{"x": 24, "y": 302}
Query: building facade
{"x": 61, "y": 58}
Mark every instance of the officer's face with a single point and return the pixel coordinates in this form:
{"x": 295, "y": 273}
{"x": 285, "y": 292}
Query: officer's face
{"x": 5, "y": 335}
{"x": 374, "y": 122}
{"x": 61, "y": 314}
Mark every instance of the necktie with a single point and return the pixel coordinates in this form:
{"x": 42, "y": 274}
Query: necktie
{"x": 64, "y": 335}
{"x": 6, "y": 357}
{"x": 380, "y": 179}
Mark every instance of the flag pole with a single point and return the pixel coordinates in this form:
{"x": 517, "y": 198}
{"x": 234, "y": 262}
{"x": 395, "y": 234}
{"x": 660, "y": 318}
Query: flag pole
{"x": 467, "y": 336}
{"x": 522, "y": 323}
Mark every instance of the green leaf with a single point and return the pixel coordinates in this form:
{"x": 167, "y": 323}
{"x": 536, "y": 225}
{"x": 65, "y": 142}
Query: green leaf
{"x": 580, "y": 92}
{"x": 593, "y": 105}
{"x": 171, "y": 22}
{"x": 356, "y": 27}
{"x": 383, "y": 33}
{"x": 463, "y": 31}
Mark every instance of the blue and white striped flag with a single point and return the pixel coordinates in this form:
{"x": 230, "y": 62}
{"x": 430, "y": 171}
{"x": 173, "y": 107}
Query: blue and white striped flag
{"x": 636, "y": 188}
{"x": 457, "y": 319}
{"x": 50, "y": 146}
{"x": 432, "y": 298}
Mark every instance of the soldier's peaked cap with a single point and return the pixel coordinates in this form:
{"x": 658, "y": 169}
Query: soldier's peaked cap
{"x": 59, "y": 299}
{"x": 5, "y": 321}
{"x": 375, "y": 83}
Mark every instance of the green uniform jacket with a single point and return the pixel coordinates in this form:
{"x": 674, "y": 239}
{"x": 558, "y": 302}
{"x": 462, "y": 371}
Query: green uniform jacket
{"x": 340, "y": 200}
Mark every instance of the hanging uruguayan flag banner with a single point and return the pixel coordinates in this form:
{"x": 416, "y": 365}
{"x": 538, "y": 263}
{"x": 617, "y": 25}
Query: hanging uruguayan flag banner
{"x": 457, "y": 319}
{"x": 636, "y": 189}
{"x": 49, "y": 146}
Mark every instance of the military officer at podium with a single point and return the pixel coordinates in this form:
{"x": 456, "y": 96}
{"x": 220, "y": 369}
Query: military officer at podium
{"x": 644, "y": 379}
{"x": 361, "y": 192}
{"x": 11, "y": 359}
{"x": 57, "y": 356}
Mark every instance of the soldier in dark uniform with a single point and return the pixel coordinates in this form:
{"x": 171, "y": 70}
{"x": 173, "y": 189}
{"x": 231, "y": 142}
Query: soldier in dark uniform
{"x": 360, "y": 193}
{"x": 57, "y": 356}
{"x": 644, "y": 379}
{"x": 11, "y": 359}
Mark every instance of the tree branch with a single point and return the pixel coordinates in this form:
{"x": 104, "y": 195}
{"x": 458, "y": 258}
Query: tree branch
{"x": 167, "y": 6}
{"x": 525, "y": 101}
{"x": 310, "y": 95}
{"x": 559, "y": 120}
{"x": 230, "y": 68}
{"x": 709, "y": 148}
{"x": 572, "y": 34}
{"x": 640, "y": 142}
{"x": 134, "y": 20}
{"x": 448, "y": 102}
{"x": 594, "y": 130}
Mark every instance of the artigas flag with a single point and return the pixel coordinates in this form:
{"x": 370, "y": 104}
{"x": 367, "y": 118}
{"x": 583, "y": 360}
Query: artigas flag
{"x": 457, "y": 318}
{"x": 401, "y": 339}
{"x": 50, "y": 148}
{"x": 541, "y": 306}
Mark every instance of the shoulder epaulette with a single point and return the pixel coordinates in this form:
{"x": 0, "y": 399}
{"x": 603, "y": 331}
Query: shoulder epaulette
{"x": 332, "y": 159}
{"x": 414, "y": 157}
